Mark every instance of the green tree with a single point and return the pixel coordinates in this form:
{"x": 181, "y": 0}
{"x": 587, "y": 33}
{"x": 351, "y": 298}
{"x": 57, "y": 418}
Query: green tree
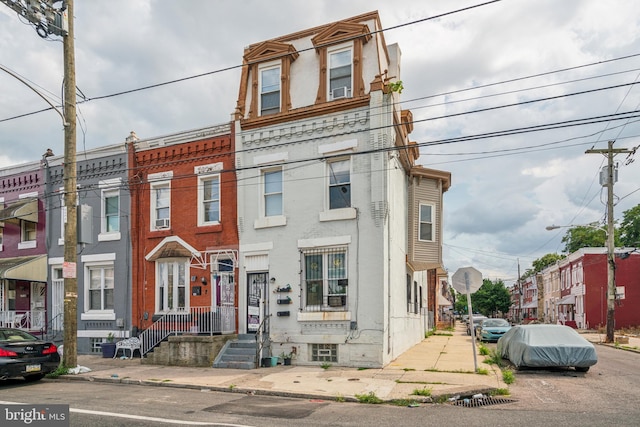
{"x": 461, "y": 303}
{"x": 584, "y": 237}
{"x": 493, "y": 297}
{"x": 630, "y": 227}
{"x": 545, "y": 261}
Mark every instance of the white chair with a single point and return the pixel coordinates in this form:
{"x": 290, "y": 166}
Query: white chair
{"x": 132, "y": 344}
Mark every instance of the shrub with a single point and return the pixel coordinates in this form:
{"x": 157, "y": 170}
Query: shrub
{"x": 508, "y": 376}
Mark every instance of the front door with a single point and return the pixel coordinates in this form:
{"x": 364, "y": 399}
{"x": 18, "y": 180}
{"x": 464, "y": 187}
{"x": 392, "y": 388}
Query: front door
{"x": 256, "y": 300}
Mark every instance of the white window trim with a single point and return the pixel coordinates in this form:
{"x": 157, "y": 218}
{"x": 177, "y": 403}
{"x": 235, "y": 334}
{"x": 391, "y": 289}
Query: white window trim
{"x": 153, "y": 200}
{"x": 96, "y": 260}
{"x": 433, "y": 221}
{"x": 187, "y": 290}
{"x": 27, "y": 244}
{"x": 109, "y": 187}
{"x": 333, "y": 50}
{"x": 201, "y": 179}
{"x": 265, "y": 67}
{"x": 340, "y": 213}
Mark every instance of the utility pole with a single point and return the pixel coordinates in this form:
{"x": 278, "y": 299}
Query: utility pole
{"x": 611, "y": 262}
{"x": 70, "y": 353}
{"x": 49, "y": 20}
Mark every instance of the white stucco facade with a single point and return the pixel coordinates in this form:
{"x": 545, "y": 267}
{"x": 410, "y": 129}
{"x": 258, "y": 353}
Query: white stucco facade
{"x": 305, "y": 245}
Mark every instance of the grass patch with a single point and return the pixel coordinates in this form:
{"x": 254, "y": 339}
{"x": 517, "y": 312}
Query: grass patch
{"x": 363, "y": 369}
{"x": 508, "y": 376}
{"x": 442, "y": 399}
{"x": 368, "y": 398}
{"x": 340, "y": 398}
{"x": 325, "y": 366}
{"x": 484, "y": 350}
{"x": 422, "y": 392}
{"x": 443, "y": 334}
{"x": 483, "y": 371}
{"x": 408, "y": 369}
{"x": 61, "y": 370}
{"x": 232, "y": 386}
{"x": 494, "y": 359}
{"x": 500, "y": 392}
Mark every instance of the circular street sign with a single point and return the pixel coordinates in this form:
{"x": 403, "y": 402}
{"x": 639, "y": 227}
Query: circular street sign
{"x": 466, "y": 279}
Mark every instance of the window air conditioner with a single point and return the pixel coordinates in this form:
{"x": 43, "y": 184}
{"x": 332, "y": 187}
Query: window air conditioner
{"x": 339, "y": 92}
{"x": 162, "y": 223}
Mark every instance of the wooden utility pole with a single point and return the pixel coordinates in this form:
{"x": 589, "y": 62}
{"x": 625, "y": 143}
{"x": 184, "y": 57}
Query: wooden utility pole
{"x": 70, "y": 354}
{"x": 59, "y": 21}
{"x": 611, "y": 262}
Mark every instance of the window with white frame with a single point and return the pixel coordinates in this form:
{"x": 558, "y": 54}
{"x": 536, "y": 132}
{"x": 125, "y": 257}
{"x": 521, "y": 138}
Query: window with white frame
{"x": 340, "y": 73}
{"x": 272, "y": 181}
{"x": 326, "y": 281}
{"x": 27, "y": 234}
{"x": 99, "y": 279}
{"x": 269, "y": 90}
{"x": 171, "y": 285}
{"x": 209, "y": 200}
{"x": 110, "y": 211}
{"x": 160, "y": 205}
{"x": 339, "y": 184}
{"x": 426, "y": 223}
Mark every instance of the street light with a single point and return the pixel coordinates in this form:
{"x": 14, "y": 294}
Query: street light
{"x": 611, "y": 271}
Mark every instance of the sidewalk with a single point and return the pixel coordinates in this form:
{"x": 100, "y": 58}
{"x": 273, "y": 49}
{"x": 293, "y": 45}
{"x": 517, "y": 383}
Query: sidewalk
{"x": 442, "y": 363}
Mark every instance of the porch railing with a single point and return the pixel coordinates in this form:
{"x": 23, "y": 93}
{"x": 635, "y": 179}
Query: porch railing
{"x": 29, "y": 320}
{"x": 195, "y": 320}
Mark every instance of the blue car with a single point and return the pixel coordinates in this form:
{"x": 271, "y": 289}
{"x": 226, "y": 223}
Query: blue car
{"x": 492, "y": 329}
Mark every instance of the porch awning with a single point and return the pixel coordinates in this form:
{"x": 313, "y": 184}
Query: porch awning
{"x": 442, "y": 301}
{"x": 568, "y": 300}
{"x": 30, "y": 268}
{"x": 26, "y": 209}
{"x": 172, "y": 247}
{"x": 532, "y": 304}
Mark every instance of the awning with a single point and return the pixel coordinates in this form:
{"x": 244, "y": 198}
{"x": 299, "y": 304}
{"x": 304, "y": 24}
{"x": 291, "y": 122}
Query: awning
{"x": 172, "y": 247}
{"x": 442, "y": 301}
{"x": 568, "y": 300}
{"x": 533, "y": 304}
{"x": 26, "y": 209}
{"x": 29, "y": 268}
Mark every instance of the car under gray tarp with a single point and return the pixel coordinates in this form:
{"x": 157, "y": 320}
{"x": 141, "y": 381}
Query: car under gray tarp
{"x": 546, "y": 346}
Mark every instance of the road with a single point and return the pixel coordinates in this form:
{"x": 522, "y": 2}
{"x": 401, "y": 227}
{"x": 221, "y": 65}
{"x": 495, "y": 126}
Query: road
{"x": 607, "y": 395}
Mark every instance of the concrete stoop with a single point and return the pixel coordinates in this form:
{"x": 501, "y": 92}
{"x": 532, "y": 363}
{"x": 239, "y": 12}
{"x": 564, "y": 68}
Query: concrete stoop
{"x": 238, "y": 354}
{"x": 187, "y": 350}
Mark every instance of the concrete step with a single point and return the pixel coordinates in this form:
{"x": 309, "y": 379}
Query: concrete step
{"x": 235, "y": 365}
{"x": 247, "y": 337}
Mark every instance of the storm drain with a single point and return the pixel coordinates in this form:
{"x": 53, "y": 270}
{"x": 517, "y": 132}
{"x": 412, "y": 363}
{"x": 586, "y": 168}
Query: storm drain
{"x": 476, "y": 402}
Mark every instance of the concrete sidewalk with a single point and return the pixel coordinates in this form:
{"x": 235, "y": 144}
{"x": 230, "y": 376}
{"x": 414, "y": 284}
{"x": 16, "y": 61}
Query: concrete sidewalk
{"x": 442, "y": 363}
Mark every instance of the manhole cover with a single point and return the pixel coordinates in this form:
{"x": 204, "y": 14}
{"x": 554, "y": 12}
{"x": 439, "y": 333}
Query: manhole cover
{"x": 475, "y": 402}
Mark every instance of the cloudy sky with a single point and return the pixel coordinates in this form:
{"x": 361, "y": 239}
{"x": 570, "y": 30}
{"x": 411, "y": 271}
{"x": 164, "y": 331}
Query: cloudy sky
{"x": 546, "y": 79}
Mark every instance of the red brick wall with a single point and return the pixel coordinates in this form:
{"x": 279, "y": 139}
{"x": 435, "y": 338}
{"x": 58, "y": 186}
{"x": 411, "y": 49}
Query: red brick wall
{"x": 181, "y": 160}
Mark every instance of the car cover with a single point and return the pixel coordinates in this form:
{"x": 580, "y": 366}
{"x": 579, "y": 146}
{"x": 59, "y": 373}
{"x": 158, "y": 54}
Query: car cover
{"x": 546, "y": 346}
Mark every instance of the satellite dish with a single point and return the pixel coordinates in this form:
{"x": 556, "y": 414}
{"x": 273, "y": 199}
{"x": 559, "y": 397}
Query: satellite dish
{"x": 466, "y": 280}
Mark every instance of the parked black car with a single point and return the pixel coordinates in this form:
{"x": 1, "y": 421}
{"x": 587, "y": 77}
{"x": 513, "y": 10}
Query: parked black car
{"x": 24, "y": 355}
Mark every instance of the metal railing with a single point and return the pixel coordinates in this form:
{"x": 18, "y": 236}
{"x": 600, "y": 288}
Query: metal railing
{"x": 29, "y": 320}
{"x": 262, "y": 339}
{"x": 195, "y": 320}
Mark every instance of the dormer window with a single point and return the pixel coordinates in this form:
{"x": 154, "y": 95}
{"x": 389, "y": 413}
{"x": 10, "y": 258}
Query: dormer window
{"x": 269, "y": 90}
{"x": 340, "y": 74}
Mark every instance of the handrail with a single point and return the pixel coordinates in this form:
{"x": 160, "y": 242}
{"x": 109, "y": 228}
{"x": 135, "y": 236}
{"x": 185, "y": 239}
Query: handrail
{"x": 261, "y": 333}
{"x": 194, "y": 320}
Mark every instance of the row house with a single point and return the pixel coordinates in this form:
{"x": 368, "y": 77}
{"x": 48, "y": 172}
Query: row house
{"x": 340, "y": 231}
{"x": 23, "y": 253}
{"x": 576, "y": 289}
{"x": 103, "y": 268}
{"x": 184, "y": 233}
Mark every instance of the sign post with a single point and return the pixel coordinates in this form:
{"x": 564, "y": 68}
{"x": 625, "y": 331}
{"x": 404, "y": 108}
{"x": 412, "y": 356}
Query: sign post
{"x": 468, "y": 280}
